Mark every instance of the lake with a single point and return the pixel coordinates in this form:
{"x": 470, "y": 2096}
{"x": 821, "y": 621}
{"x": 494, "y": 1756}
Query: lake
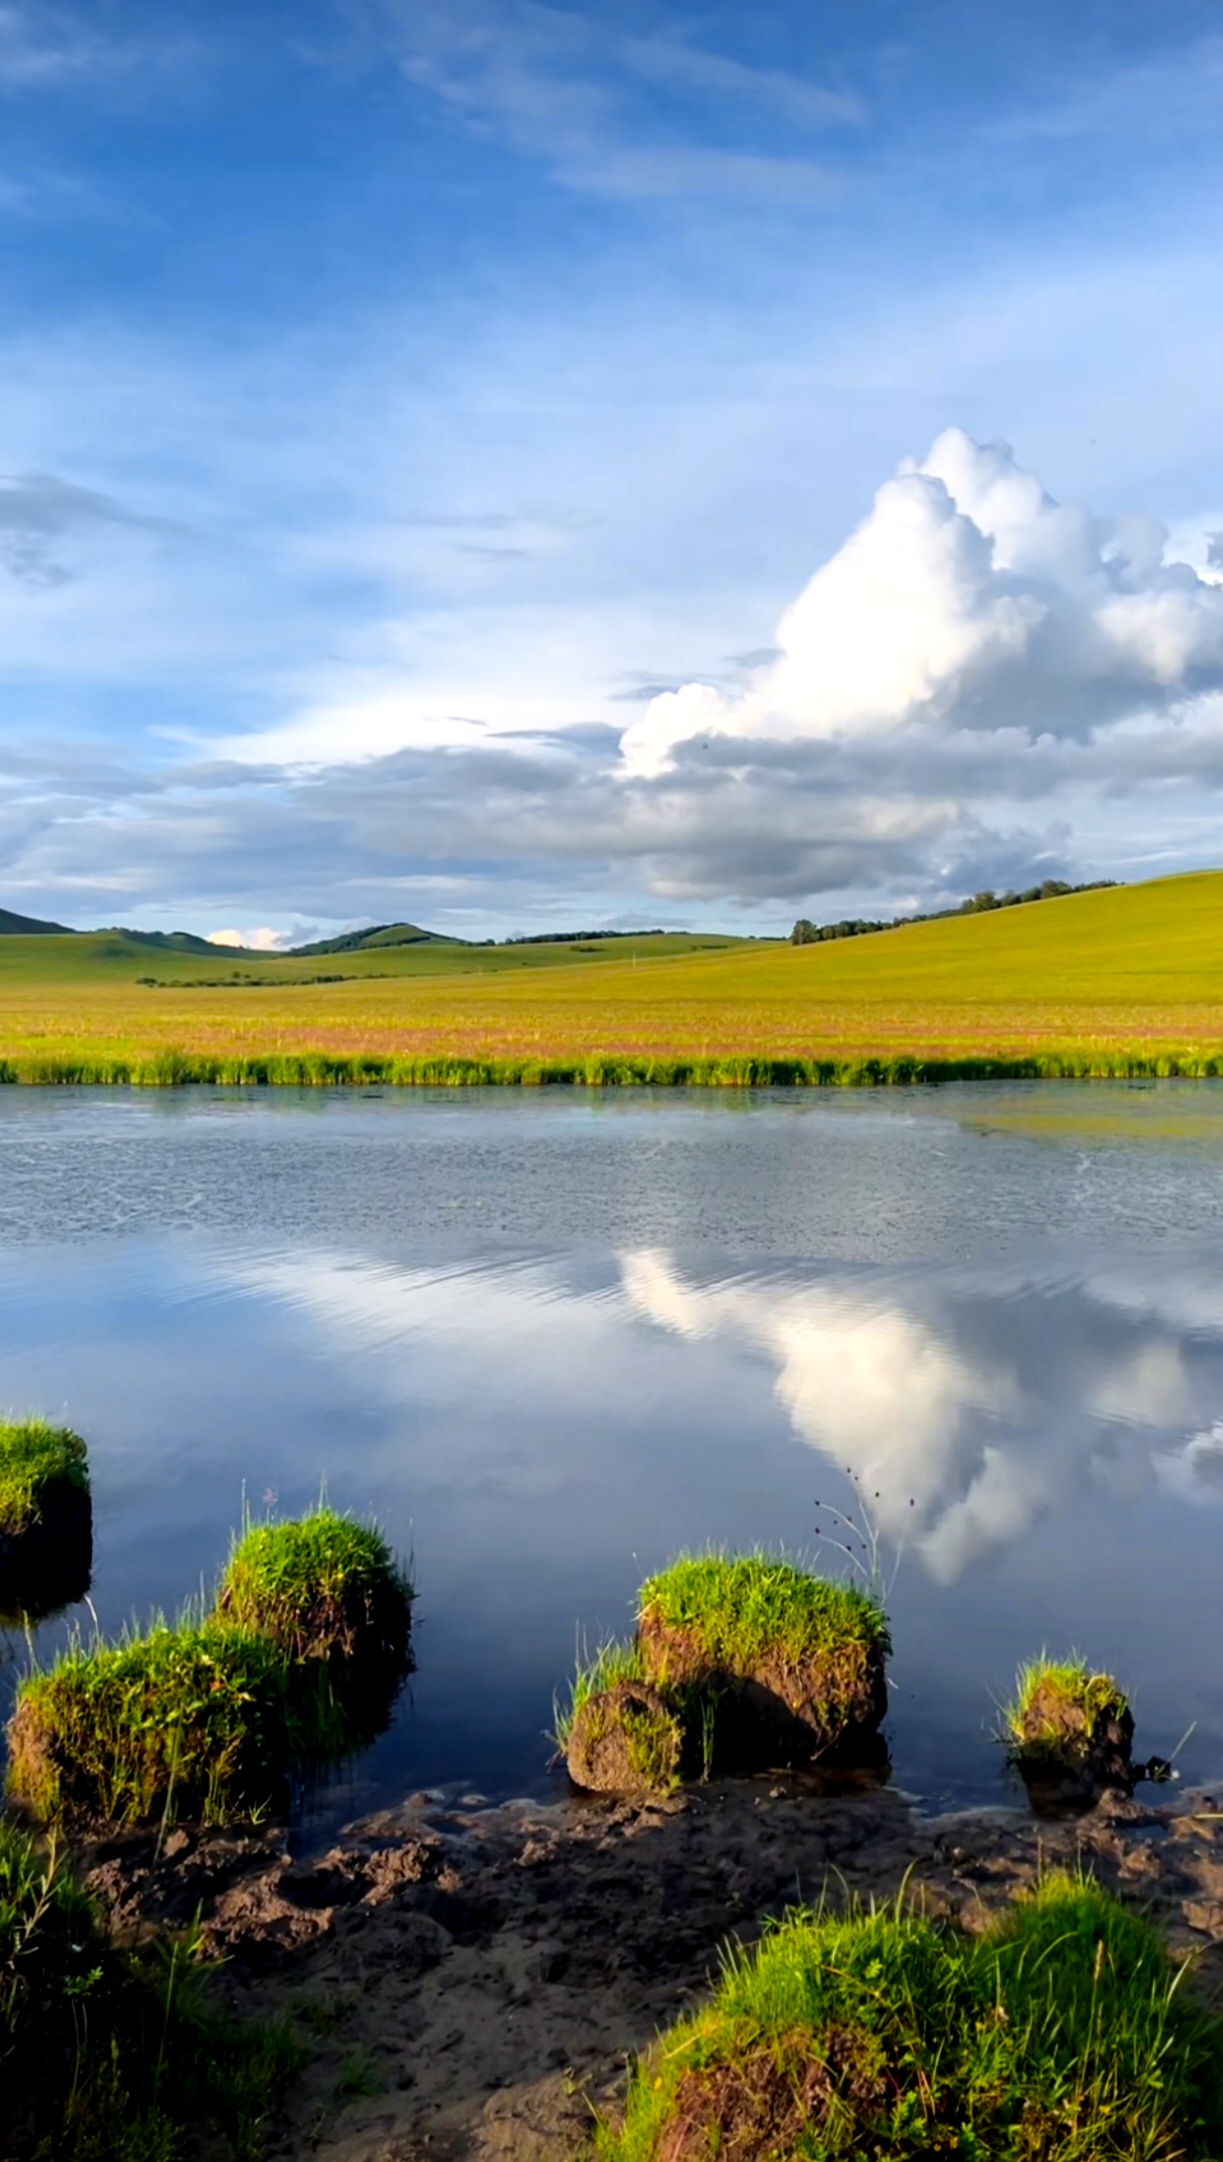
{"x": 549, "y": 1338}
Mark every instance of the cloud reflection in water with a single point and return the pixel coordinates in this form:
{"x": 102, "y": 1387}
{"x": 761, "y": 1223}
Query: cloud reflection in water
{"x": 967, "y": 1409}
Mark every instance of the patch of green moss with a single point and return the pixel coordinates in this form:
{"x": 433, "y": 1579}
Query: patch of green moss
{"x": 738, "y": 1610}
{"x": 37, "y": 1462}
{"x": 112, "y": 2056}
{"x": 1061, "y": 2032}
{"x": 318, "y": 1585}
{"x": 196, "y": 1722}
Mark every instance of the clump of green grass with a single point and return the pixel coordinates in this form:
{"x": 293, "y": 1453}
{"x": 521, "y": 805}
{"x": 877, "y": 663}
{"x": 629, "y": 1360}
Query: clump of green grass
{"x": 1062, "y": 2033}
{"x": 41, "y": 1466}
{"x": 595, "y": 1674}
{"x": 1068, "y": 1727}
{"x": 1045, "y": 1686}
{"x": 618, "y": 1733}
{"x": 738, "y": 1662}
{"x": 733, "y": 1613}
{"x": 111, "y": 2056}
{"x": 317, "y": 1586}
{"x": 199, "y": 1721}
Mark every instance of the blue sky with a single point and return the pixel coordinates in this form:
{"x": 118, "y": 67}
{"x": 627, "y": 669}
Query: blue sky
{"x": 401, "y": 400}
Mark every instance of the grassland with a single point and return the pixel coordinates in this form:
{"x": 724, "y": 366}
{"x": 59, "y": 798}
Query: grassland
{"x": 1122, "y": 981}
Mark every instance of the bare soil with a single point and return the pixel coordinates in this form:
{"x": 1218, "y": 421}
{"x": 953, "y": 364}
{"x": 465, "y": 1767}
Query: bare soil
{"x": 475, "y": 1980}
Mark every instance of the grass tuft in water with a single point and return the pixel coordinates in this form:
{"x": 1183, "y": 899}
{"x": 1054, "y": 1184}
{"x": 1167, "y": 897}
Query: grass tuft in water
{"x": 595, "y": 1674}
{"x": 198, "y": 1722}
{"x": 738, "y": 1611}
{"x": 40, "y": 1465}
{"x": 317, "y": 1586}
{"x": 1068, "y": 1731}
{"x": 1062, "y": 2034}
{"x": 1045, "y": 1688}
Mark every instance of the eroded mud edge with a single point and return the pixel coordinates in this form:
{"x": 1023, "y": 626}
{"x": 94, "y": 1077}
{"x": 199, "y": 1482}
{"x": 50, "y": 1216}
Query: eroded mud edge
{"x": 490, "y": 1971}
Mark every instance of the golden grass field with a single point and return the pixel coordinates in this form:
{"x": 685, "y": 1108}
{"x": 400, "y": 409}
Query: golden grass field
{"x": 1125, "y": 979}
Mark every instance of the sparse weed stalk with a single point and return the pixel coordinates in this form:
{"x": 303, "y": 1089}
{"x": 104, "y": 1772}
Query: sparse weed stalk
{"x": 1062, "y": 2031}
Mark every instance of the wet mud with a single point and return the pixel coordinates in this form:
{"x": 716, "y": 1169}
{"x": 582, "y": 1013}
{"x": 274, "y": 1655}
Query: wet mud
{"x": 473, "y": 1981}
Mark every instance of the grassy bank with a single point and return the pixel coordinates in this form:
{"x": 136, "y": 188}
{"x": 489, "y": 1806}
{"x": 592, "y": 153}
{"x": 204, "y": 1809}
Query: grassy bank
{"x": 112, "y": 2056}
{"x": 1060, "y": 2032}
{"x": 1116, "y": 984}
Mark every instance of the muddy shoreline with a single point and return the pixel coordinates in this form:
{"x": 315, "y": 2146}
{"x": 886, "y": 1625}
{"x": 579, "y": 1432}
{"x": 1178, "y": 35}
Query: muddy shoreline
{"x": 473, "y": 1980}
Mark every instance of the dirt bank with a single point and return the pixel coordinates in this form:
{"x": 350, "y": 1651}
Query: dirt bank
{"x": 474, "y": 1979}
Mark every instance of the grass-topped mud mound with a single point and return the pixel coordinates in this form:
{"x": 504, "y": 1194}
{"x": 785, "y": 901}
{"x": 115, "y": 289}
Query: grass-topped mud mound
{"x": 192, "y": 1722}
{"x": 625, "y": 1738}
{"x": 1056, "y": 2032}
{"x": 793, "y": 1663}
{"x": 320, "y": 1586}
{"x": 739, "y": 1663}
{"x": 46, "y": 1519}
{"x": 1069, "y": 1733}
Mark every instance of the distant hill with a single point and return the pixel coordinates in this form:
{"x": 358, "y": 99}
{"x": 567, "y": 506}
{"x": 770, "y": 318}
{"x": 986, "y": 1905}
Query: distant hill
{"x": 377, "y": 934}
{"x": 168, "y": 941}
{"x": 14, "y": 926}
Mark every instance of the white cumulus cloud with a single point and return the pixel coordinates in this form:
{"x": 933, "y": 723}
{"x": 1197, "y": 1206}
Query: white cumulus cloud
{"x": 967, "y": 599}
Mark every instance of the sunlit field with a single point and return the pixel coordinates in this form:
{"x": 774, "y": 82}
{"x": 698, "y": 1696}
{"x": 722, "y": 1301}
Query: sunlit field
{"x": 1127, "y": 980}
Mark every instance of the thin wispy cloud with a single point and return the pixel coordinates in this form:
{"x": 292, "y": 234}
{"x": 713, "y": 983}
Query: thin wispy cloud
{"x": 39, "y": 513}
{"x": 566, "y": 88}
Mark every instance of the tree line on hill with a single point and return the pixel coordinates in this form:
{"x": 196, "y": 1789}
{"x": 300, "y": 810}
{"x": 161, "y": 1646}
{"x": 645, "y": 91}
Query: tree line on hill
{"x": 806, "y": 933}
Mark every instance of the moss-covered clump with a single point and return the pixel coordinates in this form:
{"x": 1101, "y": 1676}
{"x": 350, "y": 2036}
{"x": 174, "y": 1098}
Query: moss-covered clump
{"x": 106, "y": 2054}
{"x": 46, "y": 1524}
{"x": 319, "y": 1587}
{"x": 793, "y": 1663}
{"x": 196, "y": 1722}
{"x": 1059, "y": 2033}
{"x": 1068, "y": 1730}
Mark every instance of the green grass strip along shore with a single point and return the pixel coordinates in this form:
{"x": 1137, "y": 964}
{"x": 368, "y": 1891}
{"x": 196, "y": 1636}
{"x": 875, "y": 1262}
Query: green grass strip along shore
{"x": 318, "y": 1069}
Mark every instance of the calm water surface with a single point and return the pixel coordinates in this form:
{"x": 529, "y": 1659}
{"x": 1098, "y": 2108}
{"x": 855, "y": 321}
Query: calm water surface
{"x": 550, "y": 1339}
